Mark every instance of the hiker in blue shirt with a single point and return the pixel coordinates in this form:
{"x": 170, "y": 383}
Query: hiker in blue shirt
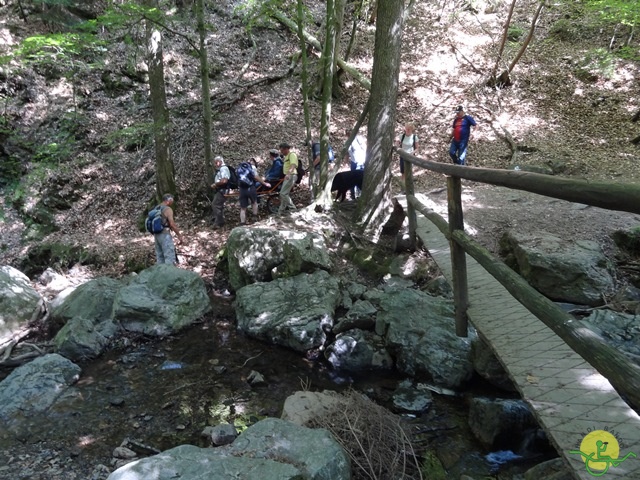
{"x": 275, "y": 172}
{"x": 460, "y": 133}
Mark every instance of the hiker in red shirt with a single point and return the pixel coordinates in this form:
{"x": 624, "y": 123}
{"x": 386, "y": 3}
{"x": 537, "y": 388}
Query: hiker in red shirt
{"x": 460, "y": 134}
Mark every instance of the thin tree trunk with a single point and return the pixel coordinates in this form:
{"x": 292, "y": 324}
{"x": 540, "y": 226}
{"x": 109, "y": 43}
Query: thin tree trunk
{"x": 206, "y": 95}
{"x": 528, "y": 39}
{"x": 328, "y": 67}
{"x": 375, "y": 203}
{"x": 503, "y": 42}
{"x": 305, "y": 90}
{"x": 165, "y": 175}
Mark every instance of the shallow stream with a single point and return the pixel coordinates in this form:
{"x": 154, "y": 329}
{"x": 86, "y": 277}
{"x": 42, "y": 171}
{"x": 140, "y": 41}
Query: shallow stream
{"x": 164, "y": 393}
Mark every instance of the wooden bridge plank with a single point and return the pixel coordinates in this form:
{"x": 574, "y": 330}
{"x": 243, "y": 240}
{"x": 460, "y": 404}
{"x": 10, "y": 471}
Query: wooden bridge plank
{"x": 567, "y": 395}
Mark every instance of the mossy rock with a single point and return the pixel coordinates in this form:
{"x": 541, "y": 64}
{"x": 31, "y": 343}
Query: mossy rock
{"x": 57, "y": 255}
{"x": 628, "y": 240}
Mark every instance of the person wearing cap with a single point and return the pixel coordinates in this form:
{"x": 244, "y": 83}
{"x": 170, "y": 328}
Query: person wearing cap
{"x": 220, "y": 187}
{"x": 275, "y": 170}
{"x": 165, "y": 248}
{"x": 290, "y": 168}
{"x": 409, "y": 143}
{"x": 460, "y": 133}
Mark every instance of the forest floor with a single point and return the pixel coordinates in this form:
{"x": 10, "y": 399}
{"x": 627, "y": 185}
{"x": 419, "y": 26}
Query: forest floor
{"x": 573, "y": 124}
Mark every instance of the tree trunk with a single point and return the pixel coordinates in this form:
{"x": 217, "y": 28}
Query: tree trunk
{"x": 374, "y": 205}
{"x": 350, "y": 69}
{"x": 165, "y": 176}
{"x": 206, "y": 95}
{"x": 329, "y": 57}
{"x": 492, "y": 79}
{"x": 305, "y": 89}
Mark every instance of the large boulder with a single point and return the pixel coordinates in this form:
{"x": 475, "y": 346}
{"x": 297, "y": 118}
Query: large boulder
{"x": 260, "y": 255}
{"x": 19, "y": 302}
{"x": 188, "y": 462}
{"x": 295, "y": 312}
{"x": 161, "y": 300}
{"x": 419, "y": 331}
{"x": 35, "y": 386}
{"x": 573, "y": 271}
{"x": 86, "y": 315}
{"x": 269, "y": 450}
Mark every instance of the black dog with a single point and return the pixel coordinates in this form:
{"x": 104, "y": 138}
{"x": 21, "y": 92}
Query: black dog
{"x": 345, "y": 181}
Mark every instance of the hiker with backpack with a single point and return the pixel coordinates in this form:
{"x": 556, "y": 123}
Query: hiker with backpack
{"x": 220, "y": 182}
{"x": 247, "y": 177}
{"x": 160, "y": 222}
{"x": 408, "y": 143}
{"x": 290, "y": 168}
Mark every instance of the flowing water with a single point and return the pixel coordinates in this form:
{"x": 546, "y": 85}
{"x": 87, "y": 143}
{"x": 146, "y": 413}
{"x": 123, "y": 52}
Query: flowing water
{"x": 164, "y": 393}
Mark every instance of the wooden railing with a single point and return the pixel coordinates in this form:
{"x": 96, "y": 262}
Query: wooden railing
{"x": 619, "y": 369}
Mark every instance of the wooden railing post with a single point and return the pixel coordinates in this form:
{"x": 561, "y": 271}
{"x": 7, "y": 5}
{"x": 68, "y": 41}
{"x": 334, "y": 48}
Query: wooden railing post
{"x": 458, "y": 259}
{"x": 411, "y": 212}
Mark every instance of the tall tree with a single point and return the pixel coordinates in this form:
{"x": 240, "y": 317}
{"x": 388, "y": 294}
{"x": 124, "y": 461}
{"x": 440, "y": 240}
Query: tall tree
{"x": 206, "y": 95}
{"x": 329, "y": 59}
{"x": 165, "y": 173}
{"x": 374, "y": 204}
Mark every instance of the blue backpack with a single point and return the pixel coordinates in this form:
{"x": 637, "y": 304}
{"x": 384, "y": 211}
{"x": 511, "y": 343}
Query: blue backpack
{"x": 245, "y": 176}
{"x": 154, "y": 222}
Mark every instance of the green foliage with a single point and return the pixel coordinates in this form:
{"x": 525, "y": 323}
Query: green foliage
{"x": 129, "y": 138}
{"x": 596, "y": 63}
{"x": 626, "y": 12}
{"x": 628, "y": 53}
{"x": 565, "y": 30}
{"x": 53, "y": 153}
{"x": 432, "y": 467}
{"x": 515, "y": 33}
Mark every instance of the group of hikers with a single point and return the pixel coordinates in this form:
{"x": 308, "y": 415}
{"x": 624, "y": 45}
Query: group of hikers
{"x": 284, "y": 168}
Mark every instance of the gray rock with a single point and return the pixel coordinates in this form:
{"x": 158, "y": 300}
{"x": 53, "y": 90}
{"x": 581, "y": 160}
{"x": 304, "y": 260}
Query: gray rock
{"x": 86, "y": 317}
{"x": 573, "y": 271}
{"x": 260, "y": 255}
{"x": 19, "y": 302}
{"x": 358, "y": 351}
{"x": 419, "y": 333}
{"x": 193, "y": 463}
{"x": 161, "y": 300}
{"x": 361, "y": 315}
{"x": 35, "y": 386}
{"x": 284, "y": 441}
{"x": 486, "y": 364}
{"x": 408, "y": 398}
{"x": 302, "y": 408}
{"x": 223, "y": 434}
{"x": 292, "y": 312}
{"x": 496, "y": 422}
{"x": 550, "y": 470}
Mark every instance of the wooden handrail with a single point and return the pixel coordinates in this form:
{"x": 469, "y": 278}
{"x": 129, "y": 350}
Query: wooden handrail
{"x": 623, "y": 374}
{"x": 623, "y": 197}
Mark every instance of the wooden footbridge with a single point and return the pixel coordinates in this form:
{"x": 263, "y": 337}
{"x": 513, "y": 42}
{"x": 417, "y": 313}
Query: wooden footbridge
{"x": 568, "y": 376}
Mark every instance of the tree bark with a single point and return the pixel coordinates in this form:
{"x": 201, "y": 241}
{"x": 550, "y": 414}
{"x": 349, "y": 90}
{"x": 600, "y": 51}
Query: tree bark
{"x": 351, "y": 70}
{"x": 206, "y": 94}
{"x": 165, "y": 174}
{"x": 503, "y": 42}
{"x": 374, "y": 206}
{"x": 305, "y": 89}
{"x": 329, "y": 57}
